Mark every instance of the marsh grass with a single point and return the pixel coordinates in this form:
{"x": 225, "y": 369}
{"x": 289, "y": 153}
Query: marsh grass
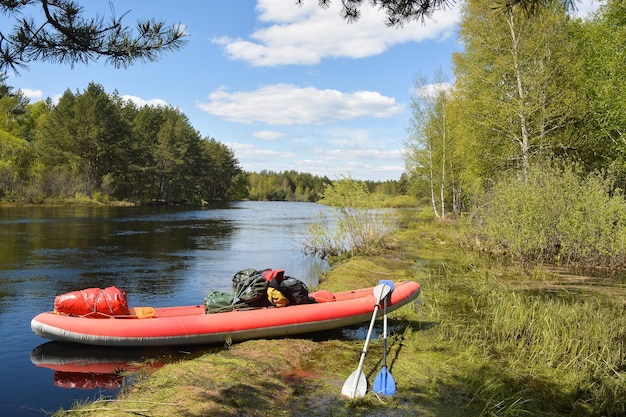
{"x": 529, "y": 347}
{"x": 359, "y": 225}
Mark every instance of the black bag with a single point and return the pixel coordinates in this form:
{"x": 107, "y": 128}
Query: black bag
{"x": 295, "y": 290}
{"x": 250, "y": 289}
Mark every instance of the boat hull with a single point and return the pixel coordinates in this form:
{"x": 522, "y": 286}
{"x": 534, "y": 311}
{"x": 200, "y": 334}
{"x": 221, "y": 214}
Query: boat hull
{"x": 190, "y": 325}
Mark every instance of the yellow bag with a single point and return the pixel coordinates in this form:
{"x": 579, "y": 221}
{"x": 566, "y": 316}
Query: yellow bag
{"x": 276, "y": 297}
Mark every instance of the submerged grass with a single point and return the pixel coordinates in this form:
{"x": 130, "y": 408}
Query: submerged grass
{"x": 483, "y": 340}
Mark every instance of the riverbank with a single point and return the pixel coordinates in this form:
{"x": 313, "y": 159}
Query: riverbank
{"x": 69, "y": 203}
{"x": 483, "y": 340}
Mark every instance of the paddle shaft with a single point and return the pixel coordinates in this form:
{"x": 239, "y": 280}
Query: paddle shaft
{"x": 384, "y": 383}
{"x": 359, "y": 369}
{"x": 385, "y": 333}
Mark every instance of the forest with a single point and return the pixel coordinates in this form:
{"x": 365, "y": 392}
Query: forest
{"x": 530, "y": 93}
{"x": 527, "y": 144}
{"x": 95, "y": 145}
{"x": 528, "y": 90}
{"x": 92, "y": 146}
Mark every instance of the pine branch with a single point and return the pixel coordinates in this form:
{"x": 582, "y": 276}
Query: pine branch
{"x": 65, "y": 36}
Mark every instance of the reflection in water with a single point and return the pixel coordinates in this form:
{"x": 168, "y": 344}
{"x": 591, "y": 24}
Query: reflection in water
{"x": 89, "y": 367}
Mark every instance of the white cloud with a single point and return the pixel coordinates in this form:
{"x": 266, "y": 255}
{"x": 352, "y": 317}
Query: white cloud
{"x": 306, "y": 35}
{"x": 142, "y": 102}
{"x": 246, "y": 150}
{"x": 431, "y": 90}
{"x": 286, "y": 104}
{"x": 32, "y": 94}
{"x": 333, "y": 164}
{"x": 332, "y": 152}
{"x": 268, "y": 135}
{"x": 364, "y": 154}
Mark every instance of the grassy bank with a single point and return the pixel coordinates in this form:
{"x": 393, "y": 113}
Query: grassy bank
{"x": 485, "y": 339}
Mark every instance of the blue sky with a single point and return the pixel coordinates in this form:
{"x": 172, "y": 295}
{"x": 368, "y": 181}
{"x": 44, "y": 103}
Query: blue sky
{"x": 285, "y": 87}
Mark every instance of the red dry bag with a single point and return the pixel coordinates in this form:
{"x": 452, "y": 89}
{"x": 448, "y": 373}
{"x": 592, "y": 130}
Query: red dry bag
{"x": 93, "y": 302}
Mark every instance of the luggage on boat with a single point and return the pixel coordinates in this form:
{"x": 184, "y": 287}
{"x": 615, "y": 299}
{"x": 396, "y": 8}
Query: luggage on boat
{"x": 93, "y": 302}
{"x": 295, "y": 290}
{"x": 277, "y": 298}
{"x": 253, "y": 288}
{"x": 218, "y": 302}
{"x": 250, "y": 289}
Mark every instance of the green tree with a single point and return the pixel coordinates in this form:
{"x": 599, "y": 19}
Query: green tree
{"x": 34, "y": 115}
{"x": 172, "y": 144}
{"x": 83, "y": 139}
{"x": 60, "y": 164}
{"x": 218, "y": 170}
{"x": 62, "y": 34}
{"x": 16, "y": 158}
{"x": 514, "y": 78}
{"x": 602, "y": 71}
{"x": 12, "y": 111}
{"x": 141, "y": 167}
{"x": 100, "y": 129}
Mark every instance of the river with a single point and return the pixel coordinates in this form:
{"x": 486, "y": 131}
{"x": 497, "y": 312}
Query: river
{"x": 160, "y": 256}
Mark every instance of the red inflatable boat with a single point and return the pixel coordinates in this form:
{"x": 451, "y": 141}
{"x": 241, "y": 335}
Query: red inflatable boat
{"x": 190, "y": 325}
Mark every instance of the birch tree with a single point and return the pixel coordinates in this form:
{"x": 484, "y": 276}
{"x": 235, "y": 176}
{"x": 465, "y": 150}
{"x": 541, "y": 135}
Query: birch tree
{"x": 429, "y": 144}
{"x": 513, "y": 75}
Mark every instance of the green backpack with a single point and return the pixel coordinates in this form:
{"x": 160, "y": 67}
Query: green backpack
{"x": 218, "y": 302}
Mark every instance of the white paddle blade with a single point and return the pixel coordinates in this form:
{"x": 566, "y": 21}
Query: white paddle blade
{"x": 381, "y": 291}
{"x": 355, "y": 386}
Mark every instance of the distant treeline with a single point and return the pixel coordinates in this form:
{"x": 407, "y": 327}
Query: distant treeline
{"x": 296, "y": 186}
{"x": 95, "y": 146}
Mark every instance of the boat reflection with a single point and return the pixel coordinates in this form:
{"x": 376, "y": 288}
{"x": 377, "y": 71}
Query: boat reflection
{"x": 90, "y": 367}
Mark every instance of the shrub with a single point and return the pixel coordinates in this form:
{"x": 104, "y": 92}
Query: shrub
{"x": 554, "y": 214}
{"x": 358, "y": 227}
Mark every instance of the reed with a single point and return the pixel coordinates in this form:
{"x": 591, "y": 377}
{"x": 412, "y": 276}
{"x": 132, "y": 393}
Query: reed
{"x": 529, "y": 347}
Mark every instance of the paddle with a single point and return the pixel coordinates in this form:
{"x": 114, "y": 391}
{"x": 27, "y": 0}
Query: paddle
{"x": 384, "y": 383}
{"x": 356, "y": 384}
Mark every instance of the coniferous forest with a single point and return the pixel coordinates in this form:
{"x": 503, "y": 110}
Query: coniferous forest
{"x": 94, "y": 146}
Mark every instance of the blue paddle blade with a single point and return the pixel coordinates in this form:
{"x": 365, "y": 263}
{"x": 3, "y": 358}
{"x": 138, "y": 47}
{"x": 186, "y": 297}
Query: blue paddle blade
{"x": 386, "y": 282}
{"x": 384, "y": 383}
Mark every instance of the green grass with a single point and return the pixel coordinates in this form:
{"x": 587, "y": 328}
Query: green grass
{"x": 528, "y": 346}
